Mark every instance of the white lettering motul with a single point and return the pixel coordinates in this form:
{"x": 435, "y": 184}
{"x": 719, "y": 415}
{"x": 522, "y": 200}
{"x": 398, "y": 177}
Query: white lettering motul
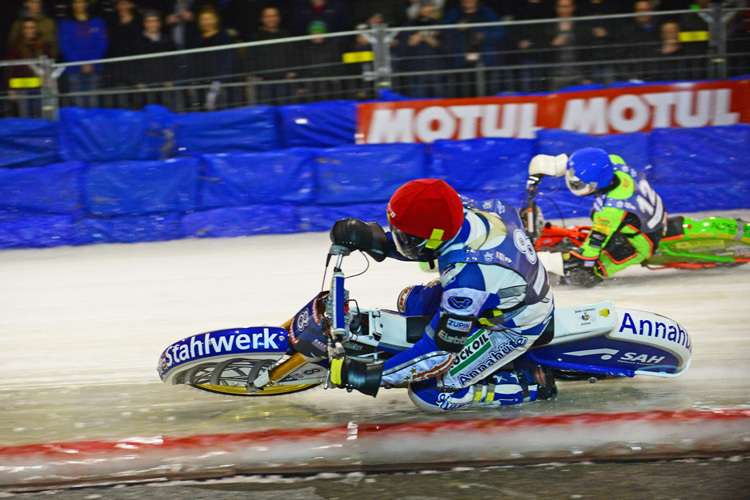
{"x": 629, "y": 113}
{"x": 452, "y": 122}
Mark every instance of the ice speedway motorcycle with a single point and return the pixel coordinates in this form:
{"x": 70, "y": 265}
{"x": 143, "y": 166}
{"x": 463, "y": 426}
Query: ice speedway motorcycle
{"x": 686, "y": 244}
{"x": 595, "y": 340}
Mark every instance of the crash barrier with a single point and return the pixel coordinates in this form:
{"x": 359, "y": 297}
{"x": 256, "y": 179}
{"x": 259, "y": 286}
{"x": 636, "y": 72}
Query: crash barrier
{"x": 248, "y": 192}
{"x": 447, "y": 58}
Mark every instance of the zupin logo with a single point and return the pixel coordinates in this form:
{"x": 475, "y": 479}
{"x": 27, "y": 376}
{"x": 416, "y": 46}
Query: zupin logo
{"x": 460, "y": 302}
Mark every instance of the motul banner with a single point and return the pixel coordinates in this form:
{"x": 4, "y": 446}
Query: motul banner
{"x": 595, "y": 112}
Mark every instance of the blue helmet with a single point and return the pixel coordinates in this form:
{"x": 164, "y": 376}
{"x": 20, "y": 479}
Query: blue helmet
{"x": 589, "y": 169}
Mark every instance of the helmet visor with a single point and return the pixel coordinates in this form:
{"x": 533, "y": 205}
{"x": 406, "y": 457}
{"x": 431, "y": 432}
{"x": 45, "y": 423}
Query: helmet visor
{"x": 577, "y": 186}
{"x": 411, "y": 247}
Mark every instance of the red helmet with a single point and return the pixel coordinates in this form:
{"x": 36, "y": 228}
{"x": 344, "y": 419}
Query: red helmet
{"x": 423, "y": 214}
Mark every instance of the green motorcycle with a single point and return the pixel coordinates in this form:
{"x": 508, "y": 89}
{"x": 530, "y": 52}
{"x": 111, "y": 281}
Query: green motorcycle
{"x": 687, "y": 243}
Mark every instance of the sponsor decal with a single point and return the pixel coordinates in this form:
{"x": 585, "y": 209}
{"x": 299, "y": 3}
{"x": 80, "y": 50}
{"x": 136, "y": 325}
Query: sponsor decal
{"x": 493, "y": 358}
{"x": 460, "y": 302}
{"x": 475, "y": 346}
{"x": 596, "y": 112}
{"x": 585, "y": 316}
{"x": 459, "y": 325}
{"x": 214, "y": 344}
{"x": 303, "y": 319}
{"x": 628, "y": 357}
{"x": 657, "y": 329}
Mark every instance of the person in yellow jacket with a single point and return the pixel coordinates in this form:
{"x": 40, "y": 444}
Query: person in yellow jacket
{"x": 628, "y": 216}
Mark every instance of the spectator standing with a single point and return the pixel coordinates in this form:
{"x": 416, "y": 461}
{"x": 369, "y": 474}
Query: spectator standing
{"x": 47, "y": 26}
{"x": 603, "y": 35}
{"x": 23, "y": 82}
{"x": 157, "y": 71}
{"x": 474, "y": 49}
{"x": 245, "y": 14}
{"x": 567, "y": 41}
{"x": 421, "y": 51}
{"x": 528, "y": 41}
{"x": 124, "y": 30}
{"x": 82, "y": 38}
{"x": 271, "y": 62}
{"x": 320, "y": 75}
{"x": 216, "y": 67}
{"x": 668, "y": 68}
{"x": 415, "y": 6}
{"x": 328, "y": 15}
{"x": 638, "y": 35}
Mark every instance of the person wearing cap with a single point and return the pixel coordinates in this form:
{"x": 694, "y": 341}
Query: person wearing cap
{"x": 491, "y": 302}
{"x": 628, "y": 216}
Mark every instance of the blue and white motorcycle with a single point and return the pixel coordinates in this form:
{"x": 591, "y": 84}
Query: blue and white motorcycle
{"x": 594, "y": 340}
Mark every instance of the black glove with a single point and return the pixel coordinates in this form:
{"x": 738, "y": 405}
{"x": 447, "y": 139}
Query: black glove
{"x": 355, "y": 234}
{"x": 352, "y": 374}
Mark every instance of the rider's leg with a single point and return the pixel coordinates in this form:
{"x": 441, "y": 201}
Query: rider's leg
{"x": 502, "y": 388}
{"x": 623, "y": 251}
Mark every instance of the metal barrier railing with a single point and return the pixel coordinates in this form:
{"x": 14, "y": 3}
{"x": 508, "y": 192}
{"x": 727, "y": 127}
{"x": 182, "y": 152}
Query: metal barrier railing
{"x": 420, "y": 62}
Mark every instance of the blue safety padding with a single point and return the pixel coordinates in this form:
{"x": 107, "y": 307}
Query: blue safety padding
{"x": 258, "y": 178}
{"x": 39, "y": 232}
{"x": 322, "y": 217}
{"x": 54, "y": 189}
{"x": 240, "y": 221}
{"x": 104, "y": 135}
{"x": 367, "y": 173}
{"x": 725, "y": 195}
{"x": 127, "y": 229}
{"x": 633, "y": 148}
{"x": 243, "y": 130}
{"x": 318, "y": 125}
{"x": 137, "y": 188}
{"x": 699, "y": 155}
{"x": 482, "y": 164}
{"x": 28, "y": 142}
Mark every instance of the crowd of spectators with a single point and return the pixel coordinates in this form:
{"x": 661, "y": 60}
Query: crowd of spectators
{"x": 468, "y": 61}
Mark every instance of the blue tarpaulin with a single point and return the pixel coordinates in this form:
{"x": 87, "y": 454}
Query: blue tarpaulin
{"x": 54, "y": 189}
{"x": 258, "y": 178}
{"x": 28, "y": 142}
{"x": 241, "y": 221}
{"x": 318, "y": 125}
{"x": 127, "y": 229}
{"x": 137, "y": 188}
{"x": 700, "y": 155}
{"x": 367, "y": 173}
{"x": 242, "y": 130}
{"x": 38, "y": 232}
{"x": 633, "y": 148}
{"x": 322, "y": 217}
{"x": 486, "y": 165}
{"x": 103, "y": 135}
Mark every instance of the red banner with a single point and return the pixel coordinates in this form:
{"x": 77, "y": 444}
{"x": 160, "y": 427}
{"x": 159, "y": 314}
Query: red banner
{"x": 595, "y": 112}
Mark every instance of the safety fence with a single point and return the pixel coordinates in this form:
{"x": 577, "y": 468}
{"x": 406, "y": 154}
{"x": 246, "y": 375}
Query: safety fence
{"x": 429, "y": 61}
{"x": 116, "y": 176}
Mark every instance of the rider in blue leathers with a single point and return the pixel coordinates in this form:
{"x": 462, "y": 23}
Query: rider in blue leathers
{"x": 490, "y": 304}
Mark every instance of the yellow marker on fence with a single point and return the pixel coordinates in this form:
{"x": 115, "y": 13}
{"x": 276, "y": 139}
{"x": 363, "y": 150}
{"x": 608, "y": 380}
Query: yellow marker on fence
{"x": 25, "y": 83}
{"x": 693, "y": 36}
{"x": 357, "y": 57}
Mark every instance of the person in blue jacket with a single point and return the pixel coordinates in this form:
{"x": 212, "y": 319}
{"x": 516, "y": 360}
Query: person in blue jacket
{"x": 82, "y": 38}
{"x": 490, "y": 304}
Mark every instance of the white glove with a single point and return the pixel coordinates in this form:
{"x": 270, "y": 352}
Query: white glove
{"x": 548, "y": 165}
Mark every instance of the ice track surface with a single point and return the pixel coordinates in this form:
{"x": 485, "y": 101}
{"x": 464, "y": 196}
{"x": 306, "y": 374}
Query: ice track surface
{"x": 81, "y": 330}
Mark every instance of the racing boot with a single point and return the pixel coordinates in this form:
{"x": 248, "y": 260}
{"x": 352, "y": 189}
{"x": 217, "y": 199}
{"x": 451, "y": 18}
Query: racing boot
{"x": 351, "y": 374}
{"x": 505, "y": 387}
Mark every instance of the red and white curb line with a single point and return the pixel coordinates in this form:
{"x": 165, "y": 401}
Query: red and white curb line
{"x": 382, "y": 446}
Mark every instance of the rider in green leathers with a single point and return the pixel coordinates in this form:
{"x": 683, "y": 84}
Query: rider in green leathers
{"x": 628, "y": 216}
